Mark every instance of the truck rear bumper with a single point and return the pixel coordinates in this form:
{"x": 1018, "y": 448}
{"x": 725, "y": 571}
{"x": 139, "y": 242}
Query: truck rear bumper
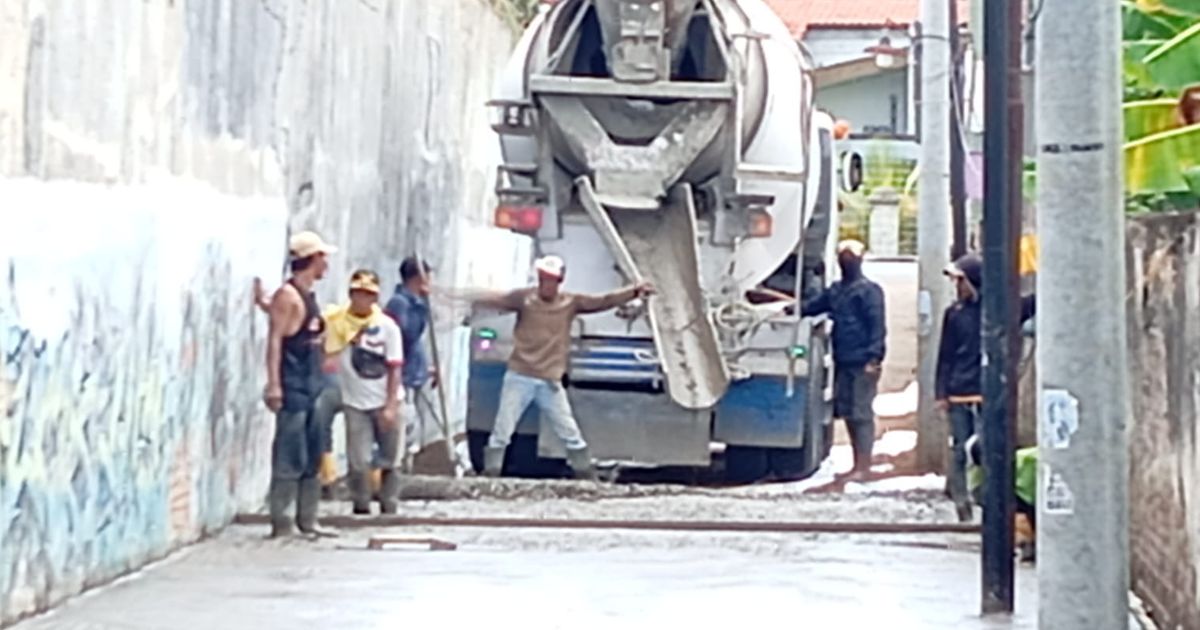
{"x": 648, "y": 428}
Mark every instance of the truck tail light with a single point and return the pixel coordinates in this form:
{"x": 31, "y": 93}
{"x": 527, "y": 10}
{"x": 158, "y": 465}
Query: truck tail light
{"x": 761, "y": 224}
{"x": 523, "y": 219}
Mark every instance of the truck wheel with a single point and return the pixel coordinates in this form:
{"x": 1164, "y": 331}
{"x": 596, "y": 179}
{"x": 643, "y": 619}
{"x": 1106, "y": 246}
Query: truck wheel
{"x": 745, "y": 464}
{"x": 790, "y": 464}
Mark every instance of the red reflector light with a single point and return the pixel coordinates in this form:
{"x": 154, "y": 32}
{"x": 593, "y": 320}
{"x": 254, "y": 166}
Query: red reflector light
{"x": 525, "y": 219}
{"x": 761, "y": 224}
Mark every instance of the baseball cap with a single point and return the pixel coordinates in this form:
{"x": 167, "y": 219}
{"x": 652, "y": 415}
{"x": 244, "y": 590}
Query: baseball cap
{"x": 854, "y": 247}
{"x": 552, "y": 266}
{"x": 365, "y": 280}
{"x": 305, "y": 244}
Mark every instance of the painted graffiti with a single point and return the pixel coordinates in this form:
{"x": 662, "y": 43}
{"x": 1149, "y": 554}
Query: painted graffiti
{"x": 129, "y": 389}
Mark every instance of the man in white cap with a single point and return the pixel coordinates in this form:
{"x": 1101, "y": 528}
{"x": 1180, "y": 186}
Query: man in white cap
{"x": 541, "y": 350}
{"x": 856, "y": 306}
{"x": 294, "y": 380}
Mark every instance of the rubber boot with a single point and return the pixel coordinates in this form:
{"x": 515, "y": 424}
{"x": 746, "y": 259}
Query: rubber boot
{"x": 581, "y": 463}
{"x": 493, "y": 461}
{"x": 360, "y": 493}
{"x": 308, "y": 503}
{"x": 389, "y": 492}
{"x": 280, "y": 498}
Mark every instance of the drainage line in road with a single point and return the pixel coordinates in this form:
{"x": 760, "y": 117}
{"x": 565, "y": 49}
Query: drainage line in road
{"x": 758, "y": 527}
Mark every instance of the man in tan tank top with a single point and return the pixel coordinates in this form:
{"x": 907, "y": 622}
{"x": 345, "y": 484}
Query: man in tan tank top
{"x": 541, "y": 351}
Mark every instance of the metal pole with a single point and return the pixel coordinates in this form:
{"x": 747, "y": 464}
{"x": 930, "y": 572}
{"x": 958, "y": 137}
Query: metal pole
{"x": 1002, "y": 209}
{"x": 1083, "y": 519}
{"x": 933, "y": 229}
{"x": 958, "y": 185}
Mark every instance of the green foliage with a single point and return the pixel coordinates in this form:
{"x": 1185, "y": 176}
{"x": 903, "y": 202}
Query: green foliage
{"x": 1161, "y": 58}
{"x": 518, "y": 13}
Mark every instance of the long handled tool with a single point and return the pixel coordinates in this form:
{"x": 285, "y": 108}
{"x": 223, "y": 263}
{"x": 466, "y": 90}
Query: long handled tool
{"x": 444, "y": 415}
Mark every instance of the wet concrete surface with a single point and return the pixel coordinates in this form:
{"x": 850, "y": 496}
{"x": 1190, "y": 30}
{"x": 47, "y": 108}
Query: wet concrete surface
{"x": 501, "y": 579}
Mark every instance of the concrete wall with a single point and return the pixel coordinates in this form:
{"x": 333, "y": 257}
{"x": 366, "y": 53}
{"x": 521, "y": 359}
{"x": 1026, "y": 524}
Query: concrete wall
{"x": 1164, "y": 338}
{"x": 153, "y": 156}
{"x": 868, "y": 103}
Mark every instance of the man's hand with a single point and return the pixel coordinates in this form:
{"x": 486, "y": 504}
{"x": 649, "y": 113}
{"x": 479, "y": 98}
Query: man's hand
{"x": 389, "y": 417}
{"x": 643, "y": 289}
{"x": 873, "y": 368}
{"x": 260, "y": 295}
{"x": 273, "y": 397}
{"x": 942, "y": 406}
{"x": 434, "y": 378}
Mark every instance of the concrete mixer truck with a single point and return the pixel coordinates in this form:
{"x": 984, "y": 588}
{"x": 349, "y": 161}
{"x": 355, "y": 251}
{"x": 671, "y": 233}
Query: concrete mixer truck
{"x": 675, "y": 142}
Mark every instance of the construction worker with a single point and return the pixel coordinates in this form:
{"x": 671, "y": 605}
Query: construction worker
{"x": 541, "y": 349}
{"x": 958, "y": 385}
{"x": 367, "y": 347}
{"x": 293, "y": 383}
{"x": 409, "y": 307}
{"x": 1024, "y": 485}
{"x": 856, "y": 306}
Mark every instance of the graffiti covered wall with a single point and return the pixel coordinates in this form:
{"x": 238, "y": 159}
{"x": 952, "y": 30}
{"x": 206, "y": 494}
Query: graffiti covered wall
{"x": 153, "y": 156}
{"x": 131, "y": 363}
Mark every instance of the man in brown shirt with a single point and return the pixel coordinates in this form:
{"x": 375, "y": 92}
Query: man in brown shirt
{"x": 541, "y": 351}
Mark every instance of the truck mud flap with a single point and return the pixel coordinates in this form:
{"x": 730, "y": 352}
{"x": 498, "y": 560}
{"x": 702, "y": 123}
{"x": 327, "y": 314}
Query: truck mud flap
{"x": 660, "y": 246}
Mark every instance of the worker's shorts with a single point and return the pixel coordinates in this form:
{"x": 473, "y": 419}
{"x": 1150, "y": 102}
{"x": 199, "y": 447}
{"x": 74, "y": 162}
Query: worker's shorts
{"x": 854, "y": 393}
{"x": 297, "y": 447}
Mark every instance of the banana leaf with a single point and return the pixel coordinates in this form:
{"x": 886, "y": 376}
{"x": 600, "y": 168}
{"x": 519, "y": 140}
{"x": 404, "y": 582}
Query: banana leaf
{"x": 1176, "y": 64}
{"x": 1184, "y": 8}
{"x": 1192, "y": 177}
{"x": 1144, "y": 118}
{"x": 1137, "y": 24}
{"x": 1135, "y": 69}
{"x": 1156, "y": 163}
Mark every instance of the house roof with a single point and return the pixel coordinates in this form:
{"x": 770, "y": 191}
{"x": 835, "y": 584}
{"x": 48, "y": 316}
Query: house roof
{"x": 803, "y": 15}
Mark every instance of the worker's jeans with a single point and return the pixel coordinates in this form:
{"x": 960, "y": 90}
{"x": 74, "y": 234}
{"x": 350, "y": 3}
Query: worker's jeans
{"x": 327, "y": 406}
{"x": 964, "y": 421}
{"x": 517, "y": 393}
{"x": 363, "y": 435}
{"x": 296, "y": 449}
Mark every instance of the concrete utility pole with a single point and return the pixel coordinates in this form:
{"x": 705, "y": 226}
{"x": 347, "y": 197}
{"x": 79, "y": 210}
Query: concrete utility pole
{"x": 933, "y": 222}
{"x": 1083, "y": 518}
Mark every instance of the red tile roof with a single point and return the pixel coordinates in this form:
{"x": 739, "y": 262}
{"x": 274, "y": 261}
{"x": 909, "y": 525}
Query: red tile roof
{"x": 802, "y": 15}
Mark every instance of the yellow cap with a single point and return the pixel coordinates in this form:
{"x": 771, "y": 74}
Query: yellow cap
{"x": 365, "y": 280}
{"x": 305, "y": 244}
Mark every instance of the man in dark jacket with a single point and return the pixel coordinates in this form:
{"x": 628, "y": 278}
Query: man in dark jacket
{"x": 856, "y": 306}
{"x": 959, "y": 380}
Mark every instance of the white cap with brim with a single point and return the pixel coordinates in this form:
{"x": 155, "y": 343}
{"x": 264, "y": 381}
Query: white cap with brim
{"x": 854, "y": 247}
{"x": 552, "y": 266}
{"x": 305, "y": 244}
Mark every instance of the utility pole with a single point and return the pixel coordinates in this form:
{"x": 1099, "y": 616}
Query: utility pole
{"x": 933, "y": 230}
{"x": 1083, "y": 518}
{"x": 958, "y": 184}
{"x": 1002, "y": 210}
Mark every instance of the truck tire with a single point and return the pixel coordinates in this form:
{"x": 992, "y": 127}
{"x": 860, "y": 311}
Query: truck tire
{"x": 746, "y": 464}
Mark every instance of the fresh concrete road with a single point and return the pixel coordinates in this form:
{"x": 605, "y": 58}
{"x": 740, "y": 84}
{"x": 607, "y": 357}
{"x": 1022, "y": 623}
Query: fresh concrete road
{"x": 501, "y": 579}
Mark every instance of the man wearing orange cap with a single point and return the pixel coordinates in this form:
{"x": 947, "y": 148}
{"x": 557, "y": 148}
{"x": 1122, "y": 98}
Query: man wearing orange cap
{"x": 366, "y": 345}
{"x": 856, "y": 306}
{"x": 294, "y": 380}
{"x": 541, "y": 350}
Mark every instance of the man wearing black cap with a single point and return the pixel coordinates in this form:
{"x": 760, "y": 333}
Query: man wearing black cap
{"x": 409, "y": 307}
{"x": 959, "y": 383}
